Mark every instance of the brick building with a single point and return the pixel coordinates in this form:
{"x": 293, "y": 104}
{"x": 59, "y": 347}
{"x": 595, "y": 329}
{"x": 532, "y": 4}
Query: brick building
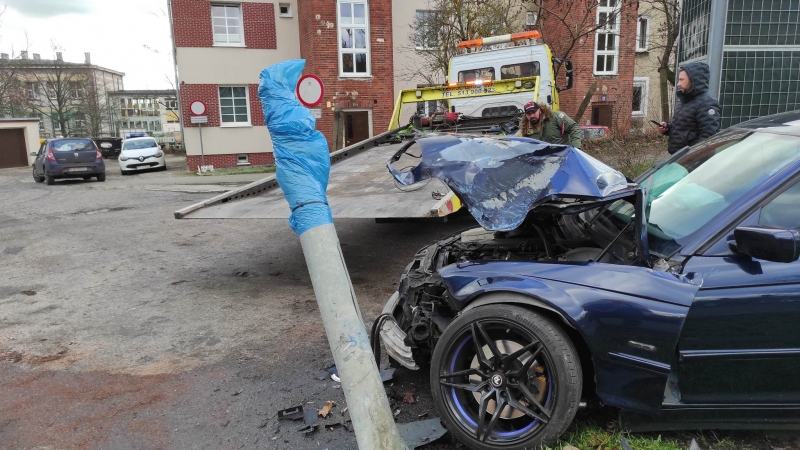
{"x": 222, "y": 47}
{"x": 606, "y": 57}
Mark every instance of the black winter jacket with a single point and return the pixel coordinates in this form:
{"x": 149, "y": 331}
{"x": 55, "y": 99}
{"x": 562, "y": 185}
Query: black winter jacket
{"x": 698, "y": 116}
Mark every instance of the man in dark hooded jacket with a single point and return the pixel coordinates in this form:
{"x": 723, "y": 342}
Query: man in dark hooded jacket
{"x": 698, "y": 116}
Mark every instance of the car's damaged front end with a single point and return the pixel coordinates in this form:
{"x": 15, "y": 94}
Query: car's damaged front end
{"x": 536, "y": 203}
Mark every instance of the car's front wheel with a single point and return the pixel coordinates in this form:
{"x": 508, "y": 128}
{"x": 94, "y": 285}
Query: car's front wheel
{"x": 504, "y": 377}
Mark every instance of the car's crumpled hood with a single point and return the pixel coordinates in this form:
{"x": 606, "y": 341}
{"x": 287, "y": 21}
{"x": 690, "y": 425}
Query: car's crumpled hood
{"x": 501, "y": 179}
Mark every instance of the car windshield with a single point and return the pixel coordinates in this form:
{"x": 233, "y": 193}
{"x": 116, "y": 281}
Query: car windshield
{"x": 685, "y": 195}
{"x": 139, "y": 144}
{"x": 73, "y": 145}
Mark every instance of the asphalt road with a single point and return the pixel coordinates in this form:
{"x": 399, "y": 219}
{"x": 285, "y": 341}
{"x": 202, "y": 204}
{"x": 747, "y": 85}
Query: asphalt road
{"x": 121, "y": 327}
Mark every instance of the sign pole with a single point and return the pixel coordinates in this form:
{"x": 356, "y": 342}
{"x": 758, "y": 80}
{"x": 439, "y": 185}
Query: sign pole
{"x": 202, "y": 154}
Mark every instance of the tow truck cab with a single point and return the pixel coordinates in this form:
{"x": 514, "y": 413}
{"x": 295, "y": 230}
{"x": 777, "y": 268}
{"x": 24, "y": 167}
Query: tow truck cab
{"x": 483, "y": 63}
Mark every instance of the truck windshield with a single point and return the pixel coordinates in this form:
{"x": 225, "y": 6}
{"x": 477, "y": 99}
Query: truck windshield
{"x": 685, "y": 195}
{"x": 139, "y": 144}
{"x": 476, "y": 74}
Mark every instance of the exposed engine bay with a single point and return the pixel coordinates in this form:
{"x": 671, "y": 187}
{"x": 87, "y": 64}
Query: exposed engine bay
{"x": 423, "y": 308}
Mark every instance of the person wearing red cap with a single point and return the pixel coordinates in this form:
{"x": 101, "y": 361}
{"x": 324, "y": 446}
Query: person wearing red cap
{"x": 542, "y": 124}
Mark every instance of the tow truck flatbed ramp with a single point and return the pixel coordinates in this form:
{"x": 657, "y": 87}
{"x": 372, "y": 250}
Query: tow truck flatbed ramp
{"x": 358, "y": 188}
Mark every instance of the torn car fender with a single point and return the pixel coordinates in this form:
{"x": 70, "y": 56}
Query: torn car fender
{"x": 632, "y": 336}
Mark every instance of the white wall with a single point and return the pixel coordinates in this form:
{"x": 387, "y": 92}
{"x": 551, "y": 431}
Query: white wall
{"x": 228, "y": 141}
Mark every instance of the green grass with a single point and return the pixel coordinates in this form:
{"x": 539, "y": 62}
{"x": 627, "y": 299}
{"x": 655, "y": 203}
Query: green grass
{"x": 239, "y": 170}
{"x": 592, "y": 437}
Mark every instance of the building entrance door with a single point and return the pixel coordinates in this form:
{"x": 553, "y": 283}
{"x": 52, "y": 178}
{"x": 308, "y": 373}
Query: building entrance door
{"x": 356, "y": 127}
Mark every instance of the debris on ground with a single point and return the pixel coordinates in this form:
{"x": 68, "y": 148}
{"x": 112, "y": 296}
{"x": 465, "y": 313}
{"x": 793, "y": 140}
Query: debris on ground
{"x": 422, "y": 432}
{"x": 175, "y": 283}
{"x": 321, "y": 375}
{"x": 387, "y": 374}
{"x": 694, "y": 446}
{"x": 420, "y": 416}
{"x": 335, "y": 378}
{"x": 397, "y": 413}
{"x": 293, "y": 413}
{"x": 343, "y": 410}
{"x": 28, "y": 292}
{"x": 326, "y": 409}
{"x": 624, "y": 443}
{"x": 409, "y": 398}
{"x": 569, "y": 447}
{"x": 310, "y": 423}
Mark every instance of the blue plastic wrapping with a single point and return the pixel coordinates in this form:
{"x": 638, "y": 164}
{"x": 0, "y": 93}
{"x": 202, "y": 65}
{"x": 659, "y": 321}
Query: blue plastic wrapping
{"x": 501, "y": 179}
{"x": 301, "y": 152}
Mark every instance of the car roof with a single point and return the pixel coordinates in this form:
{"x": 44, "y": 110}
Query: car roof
{"x": 784, "y": 123}
{"x": 139, "y": 138}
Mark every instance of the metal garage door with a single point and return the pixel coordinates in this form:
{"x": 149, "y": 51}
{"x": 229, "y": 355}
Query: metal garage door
{"x": 13, "y": 152}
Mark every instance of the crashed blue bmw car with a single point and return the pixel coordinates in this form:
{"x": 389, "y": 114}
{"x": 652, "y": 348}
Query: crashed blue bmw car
{"x": 674, "y": 297}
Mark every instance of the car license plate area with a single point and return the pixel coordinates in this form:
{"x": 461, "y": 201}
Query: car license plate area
{"x": 143, "y": 166}
{"x": 78, "y": 169}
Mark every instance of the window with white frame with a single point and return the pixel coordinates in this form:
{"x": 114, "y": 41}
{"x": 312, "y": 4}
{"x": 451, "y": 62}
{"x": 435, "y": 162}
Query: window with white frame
{"x": 227, "y": 22}
{"x": 640, "y": 91}
{"x": 285, "y": 9}
{"x": 233, "y": 106}
{"x": 606, "y": 51}
{"x": 531, "y": 18}
{"x": 425, "y": 37}
{"x": 33, "y": 90}
{"x": 642, "y": 33}
{"x": 353, "y": 38}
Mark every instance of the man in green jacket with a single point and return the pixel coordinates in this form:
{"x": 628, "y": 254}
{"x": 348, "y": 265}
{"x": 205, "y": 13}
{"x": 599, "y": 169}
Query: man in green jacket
{"x": 542, "y": 124}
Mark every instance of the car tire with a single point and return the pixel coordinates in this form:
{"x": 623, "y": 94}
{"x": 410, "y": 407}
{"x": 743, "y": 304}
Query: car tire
{"x": 125, "y": 172}
{"x": 36, "y": 178}
{"x": 164, "y": 168}
{"x": 101, "y": 177}
{"x": 549, "y": 389}
{"x": 51, "y": 180}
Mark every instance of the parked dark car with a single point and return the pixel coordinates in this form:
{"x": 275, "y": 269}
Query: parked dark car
{"x": 110, "y": 147}
{"x": 675, "y": 298}
{"x": 68, "y": 158}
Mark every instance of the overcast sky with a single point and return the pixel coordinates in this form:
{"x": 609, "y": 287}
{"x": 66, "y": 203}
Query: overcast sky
{"x": 117, "y": 33}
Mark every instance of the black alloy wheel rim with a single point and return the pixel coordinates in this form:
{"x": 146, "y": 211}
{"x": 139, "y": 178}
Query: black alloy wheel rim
{"x": 482, "y": 398}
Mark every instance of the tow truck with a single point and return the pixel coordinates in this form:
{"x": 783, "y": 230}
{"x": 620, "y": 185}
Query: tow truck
{"x": 360, "y": 186}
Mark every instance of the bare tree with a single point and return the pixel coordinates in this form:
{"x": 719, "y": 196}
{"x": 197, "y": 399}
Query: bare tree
{"x": 92, "y": 108}
{"x": 437, "y": 31}
{"x": 61, "y": 87}
{"x": 567, "y": 24}
{"x": 663, "y": 41}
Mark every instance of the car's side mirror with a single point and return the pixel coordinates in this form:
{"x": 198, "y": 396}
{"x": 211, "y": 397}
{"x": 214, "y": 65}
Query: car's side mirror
{"x": 767, "y": 243}
{"x": 34, "y": 154}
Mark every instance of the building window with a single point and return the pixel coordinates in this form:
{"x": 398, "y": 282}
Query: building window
{"x": 41, "y": 124}
{"x": 242, "y": 160}
{"x": 233, "y": 105}
{"x": 642, "y": 33}
{"x": 640, "y": 92}
{"x": 227, "y": 20}
{"x": 285, "y": 10}
{"x": 33, "y": 90}
{"x": 607, "y": 37}
{"x": 76, "y": 89}
{"x": 425, "y": 37}
{"x": 354, "y": 39}
{"x": 531, "y": 18}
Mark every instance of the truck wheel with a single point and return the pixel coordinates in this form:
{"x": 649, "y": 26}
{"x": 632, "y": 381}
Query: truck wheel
{"x": 505, "y": 377}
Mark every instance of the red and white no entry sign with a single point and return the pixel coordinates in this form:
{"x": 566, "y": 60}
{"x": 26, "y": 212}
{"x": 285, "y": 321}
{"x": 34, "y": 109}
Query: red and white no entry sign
{"x": 310, "y": 90}
{"x": 197, "y": 108}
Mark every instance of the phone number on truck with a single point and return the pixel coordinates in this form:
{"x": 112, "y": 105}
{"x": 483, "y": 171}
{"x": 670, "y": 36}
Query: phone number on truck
{"x": 461, "y": 91}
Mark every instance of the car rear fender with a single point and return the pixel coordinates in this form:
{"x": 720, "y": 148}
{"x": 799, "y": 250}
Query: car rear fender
{"x": 632, "y": 341}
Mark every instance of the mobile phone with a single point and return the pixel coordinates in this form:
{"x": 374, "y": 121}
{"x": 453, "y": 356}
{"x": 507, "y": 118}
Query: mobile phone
{"x": 658, "y": 124}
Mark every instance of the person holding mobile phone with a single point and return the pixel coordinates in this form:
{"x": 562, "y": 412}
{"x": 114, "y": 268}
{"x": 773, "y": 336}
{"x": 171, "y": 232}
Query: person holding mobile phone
{"x": 698, "y": 115}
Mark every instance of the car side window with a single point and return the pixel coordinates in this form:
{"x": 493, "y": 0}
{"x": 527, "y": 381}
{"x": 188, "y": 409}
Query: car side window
{"x": 783, "y": 211}
{"x": 41, "y": 150}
